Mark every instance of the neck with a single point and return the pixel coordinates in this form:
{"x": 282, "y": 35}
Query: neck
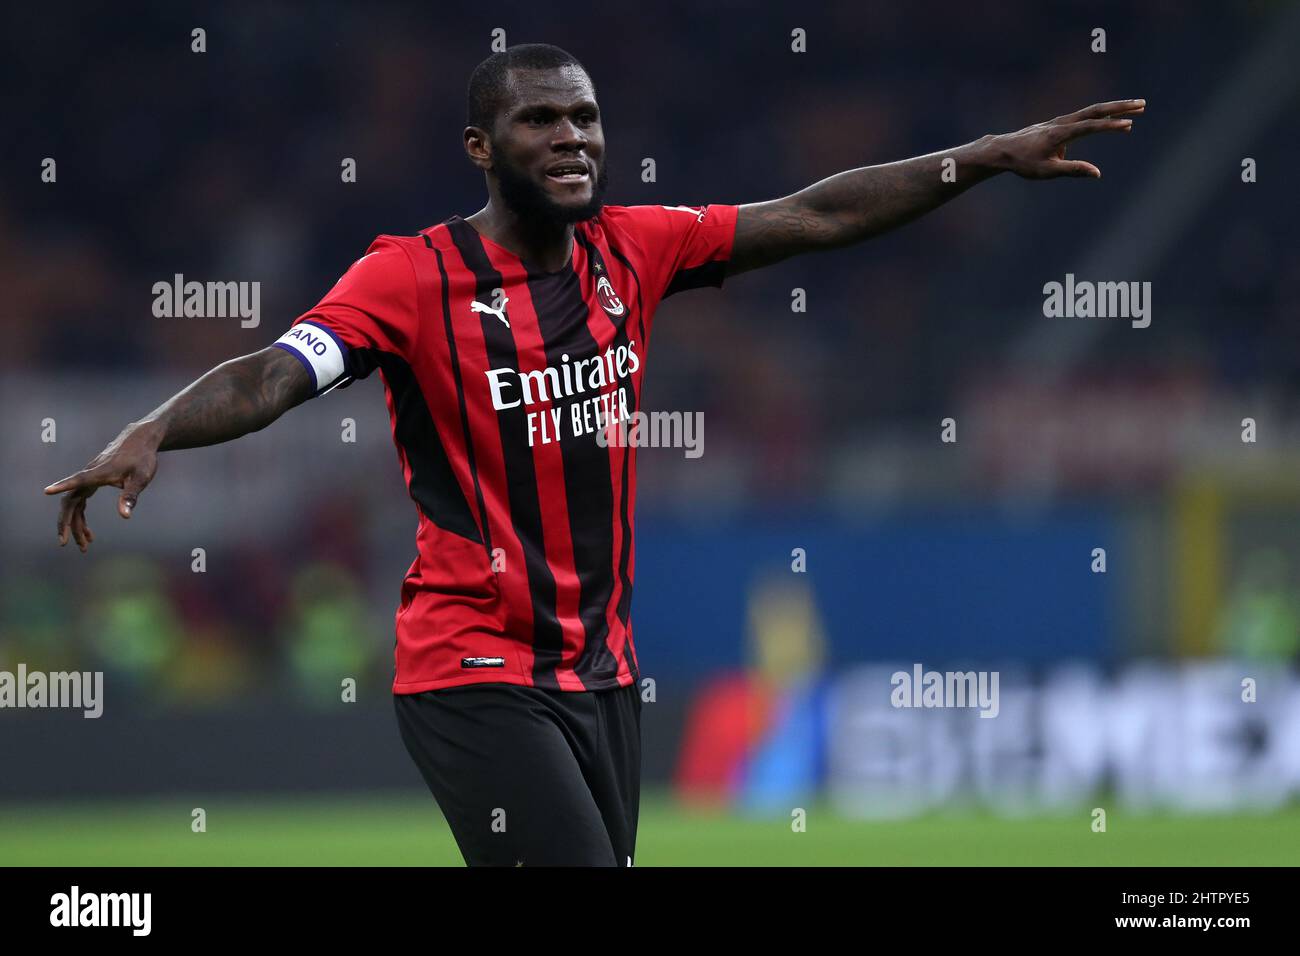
{"x": 546, "y": 244}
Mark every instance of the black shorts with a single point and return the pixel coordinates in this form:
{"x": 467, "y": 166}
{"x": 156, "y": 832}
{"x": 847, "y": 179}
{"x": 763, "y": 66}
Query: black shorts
{"x": 531, "y": 777}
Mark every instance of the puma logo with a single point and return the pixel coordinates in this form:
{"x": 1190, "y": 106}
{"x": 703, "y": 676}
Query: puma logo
{"x": 477, "y": 306}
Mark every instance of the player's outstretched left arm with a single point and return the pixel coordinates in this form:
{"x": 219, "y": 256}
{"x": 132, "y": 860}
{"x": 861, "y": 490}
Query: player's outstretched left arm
{"x": 860, "y": 203}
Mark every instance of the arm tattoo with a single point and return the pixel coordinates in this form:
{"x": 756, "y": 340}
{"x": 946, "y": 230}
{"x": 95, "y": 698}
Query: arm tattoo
{"x": 768, "y": 232}
{"x": 854, "y": 205}
{"x": 237, "y": 397}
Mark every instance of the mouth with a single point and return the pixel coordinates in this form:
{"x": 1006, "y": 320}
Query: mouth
{"x": 570, "y": 171}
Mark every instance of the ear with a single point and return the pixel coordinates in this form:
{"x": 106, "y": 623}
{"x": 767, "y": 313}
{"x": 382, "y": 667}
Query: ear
{"x": 478, "y": 147}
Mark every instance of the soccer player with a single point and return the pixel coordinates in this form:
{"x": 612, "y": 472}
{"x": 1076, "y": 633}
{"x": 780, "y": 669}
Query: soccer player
{"x": 509, "y": 342}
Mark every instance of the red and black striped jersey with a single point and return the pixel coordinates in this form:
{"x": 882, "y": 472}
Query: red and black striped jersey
{"x": 498, "y": 377}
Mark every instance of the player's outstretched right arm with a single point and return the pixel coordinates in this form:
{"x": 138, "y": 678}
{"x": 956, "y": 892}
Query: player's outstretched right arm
{"x": 237, "y": 397}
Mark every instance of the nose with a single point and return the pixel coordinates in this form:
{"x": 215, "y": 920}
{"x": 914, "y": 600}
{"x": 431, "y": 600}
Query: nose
{"x": 567, "y": 135}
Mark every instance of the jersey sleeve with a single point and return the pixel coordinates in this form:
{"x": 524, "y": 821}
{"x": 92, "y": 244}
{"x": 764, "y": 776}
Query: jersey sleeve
{"x": 684, "y": 247}
{"x": 371, "y": 309}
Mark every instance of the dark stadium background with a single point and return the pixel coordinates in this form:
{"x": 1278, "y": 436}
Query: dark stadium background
{"x": 821, "y": 428}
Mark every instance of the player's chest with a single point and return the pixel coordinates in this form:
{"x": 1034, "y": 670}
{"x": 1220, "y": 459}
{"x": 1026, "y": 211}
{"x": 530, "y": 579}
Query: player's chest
{"x": 580, "y": 314}
{"x": 533, "y": 348}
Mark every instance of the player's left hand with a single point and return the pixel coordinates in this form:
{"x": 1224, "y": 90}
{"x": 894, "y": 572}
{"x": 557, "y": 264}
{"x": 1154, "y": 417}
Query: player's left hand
{"x": 1038, "y": 151}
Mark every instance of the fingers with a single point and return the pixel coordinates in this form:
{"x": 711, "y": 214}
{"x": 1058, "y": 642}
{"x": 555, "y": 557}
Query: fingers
{"x": 77, "y": 488}
{"x": 70, "y": 483}
{"x": 1102, "y": 110}
{"x": 72, "y": 519}
{"x": 90, "y": 478}
{"x": 1071, "y": 131}
{"x": 1075, "y": 167}
{"x": 72, "y": 509}
{"x": 65, "y": 513}
{"x": 80, "y": 530}
{"x": 131, "y": 488}
{"x": 1113, "y": 117}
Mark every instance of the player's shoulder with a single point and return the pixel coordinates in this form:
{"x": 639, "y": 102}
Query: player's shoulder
{"x": 384, "y": 271}
{"x": 644, "y": 227}
{"x": 648, "y": 212}
{"x": 391, "y": 247}
{"x": 651, "y": 218}
{"x": 391, "y": 257}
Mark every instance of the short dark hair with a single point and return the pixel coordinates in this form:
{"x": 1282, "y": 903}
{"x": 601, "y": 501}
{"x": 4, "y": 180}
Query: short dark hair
{"x": 488, "y": 83}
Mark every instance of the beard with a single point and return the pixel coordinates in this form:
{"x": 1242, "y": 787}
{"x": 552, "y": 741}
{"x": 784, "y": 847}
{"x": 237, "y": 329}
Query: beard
{"x": 531, "y": 202}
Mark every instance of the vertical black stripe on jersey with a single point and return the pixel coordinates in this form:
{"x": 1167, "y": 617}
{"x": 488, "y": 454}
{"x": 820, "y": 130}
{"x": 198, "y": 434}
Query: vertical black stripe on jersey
{"x": 517, "y": 458}
{"x": 433, "y": 484}
{"x": 588, "y": 489}
{"x": 460, "y": 398}
{"x": 624, "y": 610}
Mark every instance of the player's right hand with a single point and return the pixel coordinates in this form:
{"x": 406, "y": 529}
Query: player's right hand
{"x": 129, "y": 463}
